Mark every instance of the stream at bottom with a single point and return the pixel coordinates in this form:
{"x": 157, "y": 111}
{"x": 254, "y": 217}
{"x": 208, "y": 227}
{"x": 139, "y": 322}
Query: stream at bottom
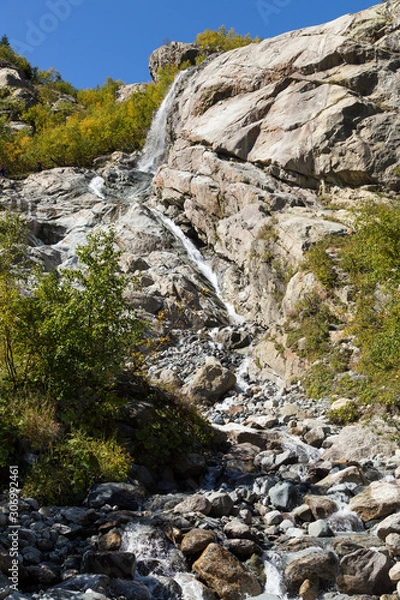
{"x": 166, "y": 572}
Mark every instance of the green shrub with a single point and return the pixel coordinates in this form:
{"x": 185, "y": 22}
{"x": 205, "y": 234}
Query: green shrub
{"x": 318, "y": 382}
{"x": 64, "y": 475}
{"x": 310, "y": 324}
{"x": 222, "y": 40}
{"x": 176, "y": 429}
{"x": 344, "y": 415}
{"x": 321, "y": 264}
{"x": 7, "y": 54}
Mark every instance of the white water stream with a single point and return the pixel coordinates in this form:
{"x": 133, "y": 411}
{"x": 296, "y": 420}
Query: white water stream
{"x": 156, "y": 557}
{"x": 156, "y": 146}
{"x": 199, "y": 261}
{"x": 96, "y": 186}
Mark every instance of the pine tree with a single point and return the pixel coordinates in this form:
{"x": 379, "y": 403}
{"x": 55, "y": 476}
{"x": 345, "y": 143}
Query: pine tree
{"x": 4, "y": 41}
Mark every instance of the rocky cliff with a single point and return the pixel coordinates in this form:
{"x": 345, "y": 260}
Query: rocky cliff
{"x": 266, "y": 139}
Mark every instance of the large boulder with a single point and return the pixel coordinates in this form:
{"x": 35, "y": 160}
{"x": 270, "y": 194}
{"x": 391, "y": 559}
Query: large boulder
{"x": 124, "y": 495}
{"x": 211, "y": 382}
{"x": 113, "y": 564}
{"x": 365, "y": 572}
{"x": 378, "y": 500}
{"x": 197, "y": 540}
{"x": 314, "y": 564}
{"x": 355, "y": 443}
{"x": 389, "y": 525}
{"x": 225, "y": 575}
{"x": 174, "y": 53}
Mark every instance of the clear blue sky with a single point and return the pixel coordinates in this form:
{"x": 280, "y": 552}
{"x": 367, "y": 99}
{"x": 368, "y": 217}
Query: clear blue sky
{"x": 89, "y": 40}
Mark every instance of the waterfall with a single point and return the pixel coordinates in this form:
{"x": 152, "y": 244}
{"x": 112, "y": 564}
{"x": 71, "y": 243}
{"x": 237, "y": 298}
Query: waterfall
{"x": 197, "y": 258}
{"x": 156, "y": 146}
{"x": 96, "y": 186}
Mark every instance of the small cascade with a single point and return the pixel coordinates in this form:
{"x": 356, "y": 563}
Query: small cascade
{"x": 197, "y": 258}
{"x": 274, "y": 585}
{"x": 158, "y": 561}
{"x": 344, "y": 520}
{"x": 96, "y": 186}
{"x": 157, "y": 141}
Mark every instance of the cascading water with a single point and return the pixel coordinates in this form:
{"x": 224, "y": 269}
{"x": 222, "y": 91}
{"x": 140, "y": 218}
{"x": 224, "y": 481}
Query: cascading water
{"x": 158, "y": 561}
{"x": 197, "y": 258}
{"x": 154, "y": 154}
{"x": 96, "y": 186}
{"x": 157, "y": 141}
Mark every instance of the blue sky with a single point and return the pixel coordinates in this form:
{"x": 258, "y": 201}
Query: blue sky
{"x": 89, "y": 40}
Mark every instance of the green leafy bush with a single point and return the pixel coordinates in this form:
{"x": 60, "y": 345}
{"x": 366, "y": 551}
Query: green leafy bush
{"x": 344, "y": 415}
{"x": 309, "y": 327}
{"x": 318, "y": 382}
{"x": 176, "y": 429}
{"x": 222, "y": 40}
{"x": 64, "y": 475}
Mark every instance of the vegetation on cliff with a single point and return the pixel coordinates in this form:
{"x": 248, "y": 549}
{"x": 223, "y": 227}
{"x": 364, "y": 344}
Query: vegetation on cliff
{"x": 222, "y": 40}
{"x": 366, "y": 264}
{"x": 66, "y": 340}
{"x": 69, "y": 127}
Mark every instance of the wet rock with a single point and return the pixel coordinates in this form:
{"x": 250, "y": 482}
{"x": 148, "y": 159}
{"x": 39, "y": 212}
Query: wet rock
{"x": 113, "y": 564}
{"x": 392, "y": 542}
{"x": 223, "y": 573}
{"x": 109, "y": 541}
{"x": 320, "y": 506}
{"x": 240, "y": 460}
{"x": 82, "y": 583}
{"x": 56, "y": 594}
{"x": 303, "y": 513}
{"x": 351, "y": 474}
{"x": 163, "y": 588}
{"x": 194, "y": 503}
{"x": 389, "y": 525}
{"x": 365, "y": 572}
{"x": 238, "y": 529}
{"x": 309, "y": 590}
{"x": 129, "y": 590}
{"x": 221, "y": 504}
{"x": 123, "y": 495}
{"x": 319, "y": 528}
{"x": 316, "y": 565}
{"x": 394, "y": 573}
{"x": 242, "y": 548}
{"x": 378, "y": 500}
{"x": 273, "y": 517}
{"x": 197, "y": 540}
{"x": 46, "y": 574}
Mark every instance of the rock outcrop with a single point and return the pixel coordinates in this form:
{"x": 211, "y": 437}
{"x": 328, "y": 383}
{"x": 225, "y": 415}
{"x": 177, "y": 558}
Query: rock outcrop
{"x": 265, "y": 137}
{"x": 173, "y": 53}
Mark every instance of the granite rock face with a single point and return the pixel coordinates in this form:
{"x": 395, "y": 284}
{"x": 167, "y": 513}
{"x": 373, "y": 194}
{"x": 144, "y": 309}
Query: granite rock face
{"x": 265, "y": 137}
